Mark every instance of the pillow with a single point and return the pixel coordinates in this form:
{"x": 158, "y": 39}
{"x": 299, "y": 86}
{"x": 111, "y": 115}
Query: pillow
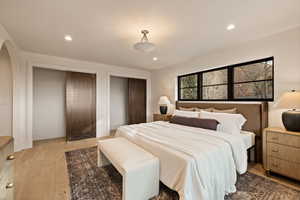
{"x": 186, "y": 113}
{"x": 204, "y": 109}
{"x": 229, "y": 123}
{"x": 230, "y": 111}
{"x": 187, "y": 109}
{"x": 195, "y": 122}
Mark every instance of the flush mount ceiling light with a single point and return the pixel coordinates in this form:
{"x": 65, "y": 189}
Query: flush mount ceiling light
{"x": 155, "y": 58}
{"x": 68, "y": 38}
{"x": 144, "y": 45}
{"x": 230, "y": 27}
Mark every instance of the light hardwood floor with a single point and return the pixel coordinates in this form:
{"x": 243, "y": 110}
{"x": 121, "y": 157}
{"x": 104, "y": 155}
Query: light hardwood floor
{"x": 41, "y": 172}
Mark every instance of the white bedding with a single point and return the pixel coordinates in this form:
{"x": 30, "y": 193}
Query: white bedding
{"x": 248, "y": 138}
{"x": 199, "y": 164}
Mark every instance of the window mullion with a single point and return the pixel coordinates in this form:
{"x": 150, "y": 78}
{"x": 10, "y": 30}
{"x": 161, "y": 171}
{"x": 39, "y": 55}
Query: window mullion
{"x": 178, "y": 89}
{"x": 200, "y": 88}
{"x": 230, "y": 80}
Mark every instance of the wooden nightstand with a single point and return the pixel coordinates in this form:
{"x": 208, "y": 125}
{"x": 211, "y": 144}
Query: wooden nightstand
{"x": 281, "y": 152}
{"x": 160, "y": 117}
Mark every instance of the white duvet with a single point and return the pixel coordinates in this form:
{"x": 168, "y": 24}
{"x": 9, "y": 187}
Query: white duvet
{"x": 199, "y": 164}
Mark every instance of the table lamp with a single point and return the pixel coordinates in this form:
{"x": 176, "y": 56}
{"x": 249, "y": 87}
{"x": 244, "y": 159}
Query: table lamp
{"x": 290, "y": 118}
{"x": 163, "y": 104}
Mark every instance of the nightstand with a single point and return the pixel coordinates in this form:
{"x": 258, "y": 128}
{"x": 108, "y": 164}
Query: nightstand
{"x": 161, "y": 117}
{"x": 281, "y": 152}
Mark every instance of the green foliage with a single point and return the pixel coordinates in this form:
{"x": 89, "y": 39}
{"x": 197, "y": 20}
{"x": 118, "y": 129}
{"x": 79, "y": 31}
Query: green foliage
{"x": 189, "y": 81}
{"x": 189, "y": 93}
{"x": 251, "y": 81}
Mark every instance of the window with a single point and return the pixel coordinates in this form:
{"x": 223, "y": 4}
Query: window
{"x": 254, "y": 81}
{"x": 251, "y": 81}
{"x": 214, "y": 85}
{"x": 188, "y": 87}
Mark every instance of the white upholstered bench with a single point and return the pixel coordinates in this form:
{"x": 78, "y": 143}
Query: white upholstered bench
{"x": 139, "y": 169}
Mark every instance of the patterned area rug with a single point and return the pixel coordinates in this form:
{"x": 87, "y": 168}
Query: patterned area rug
{"x": 88, "y": 182}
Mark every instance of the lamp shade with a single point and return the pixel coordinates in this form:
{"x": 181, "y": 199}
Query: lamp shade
{"x": 144, "y": 46}
{"x": 289, "y": 100}
{"x": 163, "y": 100}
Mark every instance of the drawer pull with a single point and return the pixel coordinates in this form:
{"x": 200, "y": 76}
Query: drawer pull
{"x": 274, "y": 138}
{"x": 275, "y": 151}
{"x": 10, "y": 157}
{"x": 9, "y": 185}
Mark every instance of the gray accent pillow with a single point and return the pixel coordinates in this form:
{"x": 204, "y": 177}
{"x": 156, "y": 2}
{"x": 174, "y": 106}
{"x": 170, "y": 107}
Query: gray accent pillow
{"x": 195, "y": 122}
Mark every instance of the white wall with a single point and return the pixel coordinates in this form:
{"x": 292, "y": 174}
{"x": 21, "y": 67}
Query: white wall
{"x": 22, "y": 65}
{"x": 6, "y": 93}
{"x": 118, "y": 102}
{"x": 48, "y": 104}
{"x": 103, "y": 73}
{"x": 22, "y": 139}
{"x": 285, "y": 47}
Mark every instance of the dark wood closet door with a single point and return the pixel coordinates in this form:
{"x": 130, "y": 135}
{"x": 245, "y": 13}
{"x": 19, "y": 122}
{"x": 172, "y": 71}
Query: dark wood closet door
{"x": 136, "y": 101}
{"x": 80, "y": 105}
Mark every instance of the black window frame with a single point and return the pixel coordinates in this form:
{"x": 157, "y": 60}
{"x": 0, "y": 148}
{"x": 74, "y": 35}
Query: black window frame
{"x": 198, "y": 81}
{"x": 230, "y": 82}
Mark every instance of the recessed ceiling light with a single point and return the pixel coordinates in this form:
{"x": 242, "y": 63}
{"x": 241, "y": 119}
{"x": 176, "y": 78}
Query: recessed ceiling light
{"x": 68, "y": 38}
{"x": 230, "y": 27}
{"x": 155, "y": 58}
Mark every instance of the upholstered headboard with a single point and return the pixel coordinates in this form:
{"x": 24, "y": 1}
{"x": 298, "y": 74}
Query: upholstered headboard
{"x": 255, "y": 113}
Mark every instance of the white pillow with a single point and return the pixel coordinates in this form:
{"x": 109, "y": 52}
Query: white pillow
{"x": 184, "y": 113}
{"x": 229, "y": 123}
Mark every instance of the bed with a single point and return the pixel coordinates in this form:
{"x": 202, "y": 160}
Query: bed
{"x": 256, "y": 114}
{"x": 200, "y": 163}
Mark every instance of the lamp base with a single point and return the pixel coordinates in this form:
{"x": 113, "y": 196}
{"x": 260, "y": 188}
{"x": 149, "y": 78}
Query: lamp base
{"x": 163, "y": 110}
{"x": 291, "y": 120}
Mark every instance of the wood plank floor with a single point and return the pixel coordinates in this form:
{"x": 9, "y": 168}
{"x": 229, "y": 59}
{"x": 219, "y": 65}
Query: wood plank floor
{"x": 41, "y": 172}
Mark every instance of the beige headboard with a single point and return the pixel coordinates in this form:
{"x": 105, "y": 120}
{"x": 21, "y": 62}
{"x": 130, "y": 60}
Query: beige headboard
{"x": 255, "y": 113}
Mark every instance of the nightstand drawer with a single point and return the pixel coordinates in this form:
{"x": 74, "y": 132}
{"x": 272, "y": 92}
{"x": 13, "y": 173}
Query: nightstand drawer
{"x": 4, "y": 153}
{"x": 283, "y": 152}
{"x": 281, "y": 138}
{"x": 6, "y": 184}
{"x": 286, "y": 168}
{"x": 6, "y": 172}
{"x": 160, "y": 117}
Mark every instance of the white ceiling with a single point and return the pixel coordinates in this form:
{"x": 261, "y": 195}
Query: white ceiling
{"x": 105, "y": 30}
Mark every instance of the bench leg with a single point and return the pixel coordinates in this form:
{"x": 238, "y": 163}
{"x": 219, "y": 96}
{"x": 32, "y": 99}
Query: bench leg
{"x": 141, "y": 183}
{"x": 102, "y": 160}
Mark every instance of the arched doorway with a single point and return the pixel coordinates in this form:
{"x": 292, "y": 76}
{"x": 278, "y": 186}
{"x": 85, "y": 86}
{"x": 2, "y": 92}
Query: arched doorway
{"x": 6, "y": 93}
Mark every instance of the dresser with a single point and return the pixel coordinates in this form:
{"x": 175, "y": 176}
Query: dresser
{"x": 161, "y": 117}
{"x": 6, "y": 168}
{"x": 281, "y": 152}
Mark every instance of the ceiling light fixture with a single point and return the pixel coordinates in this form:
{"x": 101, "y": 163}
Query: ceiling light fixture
{"x": 230, "y": 27}
{"x": 68, "y": 38}
{"x": 155, "y": 58}
{"x": 144, "y": 45}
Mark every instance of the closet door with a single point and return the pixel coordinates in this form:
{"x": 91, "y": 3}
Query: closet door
{"x": 80, "y": 105}
{"x": 136, "y": 101}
